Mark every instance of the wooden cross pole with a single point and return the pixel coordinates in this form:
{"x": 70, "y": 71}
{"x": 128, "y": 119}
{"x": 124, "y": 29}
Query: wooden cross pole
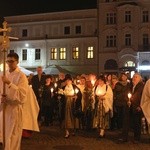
{"x": 5, "y": 45}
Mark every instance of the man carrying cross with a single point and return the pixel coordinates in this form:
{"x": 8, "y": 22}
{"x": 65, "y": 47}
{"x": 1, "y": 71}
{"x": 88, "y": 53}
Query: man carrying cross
{"x": 16, "y": 90}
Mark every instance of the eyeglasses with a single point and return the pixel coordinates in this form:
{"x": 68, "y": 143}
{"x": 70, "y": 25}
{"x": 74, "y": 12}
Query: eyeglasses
{"x": 10, "y": 61}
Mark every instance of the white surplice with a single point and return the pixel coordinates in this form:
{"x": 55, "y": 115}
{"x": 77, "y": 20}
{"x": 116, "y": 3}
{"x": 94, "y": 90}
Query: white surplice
{"x": 30, "y": 112}
{"x": 16, "y": 96}
{"x": 145, "y": 101}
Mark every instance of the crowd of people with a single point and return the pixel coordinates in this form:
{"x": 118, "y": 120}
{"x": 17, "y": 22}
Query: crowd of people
{"x": 85, "y": 102}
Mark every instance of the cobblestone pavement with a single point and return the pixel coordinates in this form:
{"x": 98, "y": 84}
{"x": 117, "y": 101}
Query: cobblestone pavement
{"x": 52, "y": 138}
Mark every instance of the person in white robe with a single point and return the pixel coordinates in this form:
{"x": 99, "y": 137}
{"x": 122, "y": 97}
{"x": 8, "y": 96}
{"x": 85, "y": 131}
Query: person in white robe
{"x": 30, "y": 112}
{"x": 16, "y": 90}
{"x": 145, "y": 102}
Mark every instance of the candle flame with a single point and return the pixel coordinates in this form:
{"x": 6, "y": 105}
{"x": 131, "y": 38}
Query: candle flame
{"x": 52, "y": 90}
{"x": 55, "y": 84}
{"x": 76, "y": 91}
{"x": 129, "y": 95}
{"x": 92, "y": 82}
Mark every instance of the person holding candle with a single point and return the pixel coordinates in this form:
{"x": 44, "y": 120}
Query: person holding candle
{"x": 133, "y": 112}
{"x": 103, "y": 104}
{"x": 47, "y": 104}
{"x": 72, "y": 107}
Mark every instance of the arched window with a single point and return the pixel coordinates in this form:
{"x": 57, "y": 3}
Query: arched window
{"x": 145, "y": 63}
{"x": 111, "y": 64}
{"x": 129, "y": 64}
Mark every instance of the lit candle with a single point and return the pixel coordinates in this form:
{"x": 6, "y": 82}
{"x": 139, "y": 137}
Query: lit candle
{"x": 76, "y": 91}
{"x": 92, "y": 82}
{"x": 129, "y": 96}
{"x": 55, "y": 85}
{"x": 78, "y": 81}
{"x": 52, "y": 90}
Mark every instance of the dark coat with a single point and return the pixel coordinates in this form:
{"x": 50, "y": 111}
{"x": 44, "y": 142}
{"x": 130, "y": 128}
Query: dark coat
{"x": 36, "y": 84}
{"x": 136, "y": 96}
{"x": 47, "y": 95}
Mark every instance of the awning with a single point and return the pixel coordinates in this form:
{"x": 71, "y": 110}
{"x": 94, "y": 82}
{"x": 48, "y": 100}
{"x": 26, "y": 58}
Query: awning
{"x": 56, "y": 69}
{"x": 25, "y": 71}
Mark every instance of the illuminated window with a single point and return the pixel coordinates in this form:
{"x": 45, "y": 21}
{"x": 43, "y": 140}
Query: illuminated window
{"x": 90, "y": 52}
{"x": 129, "y": 64}
{"x": 53, "y": 53}
{"x": 24, "y": 54}
{"x": 37, "y": 54}
{"x": 128, "y": 16}
{"x": 75, "y": 52}
{"x": 62, "y": 53}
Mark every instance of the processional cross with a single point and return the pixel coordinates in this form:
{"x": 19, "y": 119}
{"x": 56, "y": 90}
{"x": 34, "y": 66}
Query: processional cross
{"x": 4, "y": 42}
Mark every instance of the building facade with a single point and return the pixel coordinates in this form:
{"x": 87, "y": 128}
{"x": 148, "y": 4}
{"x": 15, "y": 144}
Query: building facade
{"x": 124, "y": 27}
{"x": 113, "y": 37}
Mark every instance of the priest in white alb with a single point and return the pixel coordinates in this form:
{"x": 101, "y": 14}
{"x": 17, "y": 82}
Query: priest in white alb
{"x": 16, "y": 94}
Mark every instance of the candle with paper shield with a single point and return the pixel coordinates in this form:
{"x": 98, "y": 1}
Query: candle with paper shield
{"x": 99, "y": 93}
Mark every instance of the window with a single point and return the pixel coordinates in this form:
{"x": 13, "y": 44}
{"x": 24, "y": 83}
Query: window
{"x": 37, "y": 54}
{"x": 145, "y": 39}
{"x": 111, "y": 18}
{"x": 24, "y": 33}
{"x": 129, "y": 64}
{"x": 90, "y": 52}
{"x": 128, "y": 39}
{"x": 145, "y": 42}
{"x": 67, "y": 30}
{"x": 111, "y": 41}
{"x": 145, "y": 16}
{"x": 128, "y": 16}
{"x": 53, "y": 53}
{"x": 11, "y": 51}
{"x": 62, "y": 53}
{"x": 78, "y": 29}
{"x": 75, "y": 52}
{"x": 24, "y": 54}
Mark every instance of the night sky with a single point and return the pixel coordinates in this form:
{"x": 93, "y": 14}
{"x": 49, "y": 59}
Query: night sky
{"x": 21, "y": 7}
